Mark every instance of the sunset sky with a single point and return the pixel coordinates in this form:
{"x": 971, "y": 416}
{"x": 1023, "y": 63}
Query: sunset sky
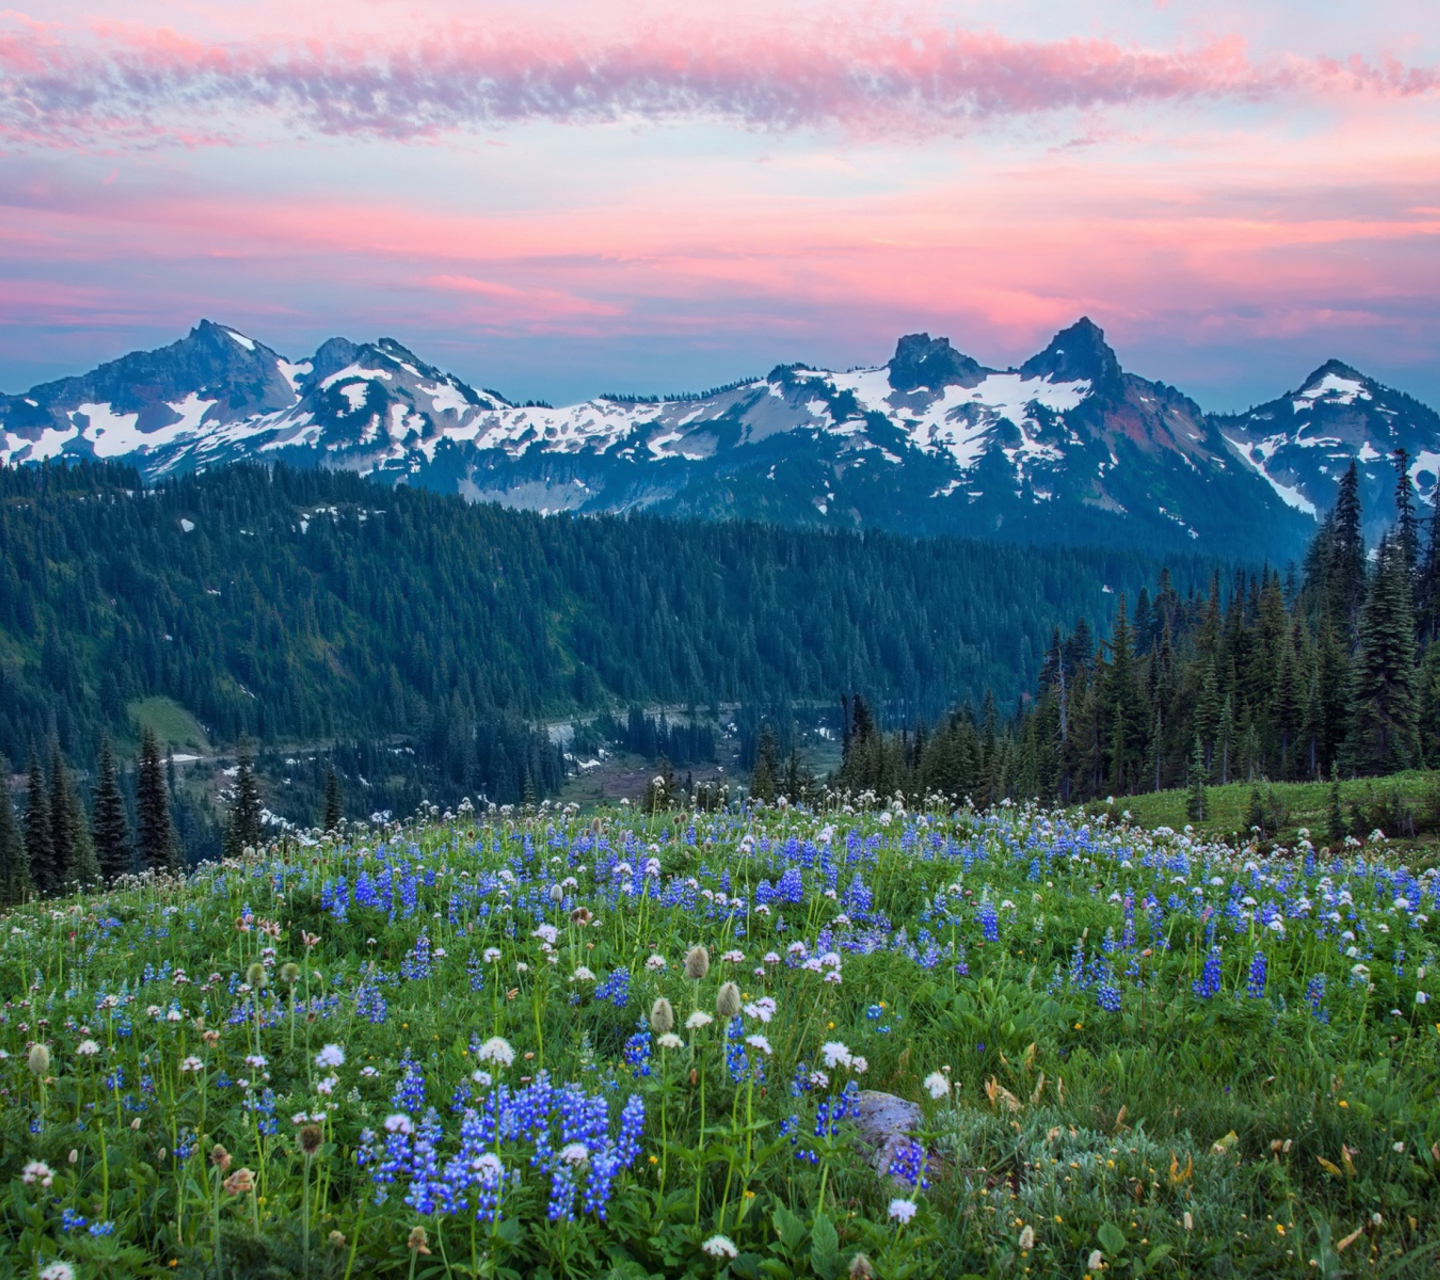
{"x": 559, "y": 199}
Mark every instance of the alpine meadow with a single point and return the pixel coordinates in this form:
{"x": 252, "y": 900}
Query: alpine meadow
{"x": 719, "y": 642}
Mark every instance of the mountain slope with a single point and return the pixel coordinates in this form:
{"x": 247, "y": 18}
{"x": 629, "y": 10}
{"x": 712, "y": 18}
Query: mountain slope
{"x": 1304, "y": 441}
{"x": 1068, "y": 447}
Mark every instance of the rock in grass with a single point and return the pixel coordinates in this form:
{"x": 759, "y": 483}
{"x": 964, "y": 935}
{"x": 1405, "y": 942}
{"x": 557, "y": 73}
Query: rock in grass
{"x": 883, "y": 1124}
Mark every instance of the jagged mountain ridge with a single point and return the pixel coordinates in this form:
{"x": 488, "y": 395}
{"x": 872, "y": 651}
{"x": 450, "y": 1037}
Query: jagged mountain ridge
{"x": 1066, "y": 447}
{"x": 1303, "y": 442}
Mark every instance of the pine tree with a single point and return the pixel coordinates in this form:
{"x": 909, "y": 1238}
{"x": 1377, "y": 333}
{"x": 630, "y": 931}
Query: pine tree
{"x": 1427, "y": 591}
{"x": 794, "y": 785}
{"x": 111, "y": 826}
{"x": 1345, "y": 573}
{"x": 764, "y": 781}
{"x": 1336, "y": 826}
{"x": 1126, "y": 725}
{"x": 1256, "y": 819}
{"x": 244, "y": 829}
{"x": 1385, "y": 716}
{"x": 62, "y": 827}
{"x": 1407, "y": 527}
{"x": 15, "y": 883}
{"x": 155, "y": 833}
{"x": 334, "y": 807}
{"x": 1197, "y": 808}
{"x": 84, "y": 865}
{"x": 39, "y": 835}
{"x": 1225, "y": 738}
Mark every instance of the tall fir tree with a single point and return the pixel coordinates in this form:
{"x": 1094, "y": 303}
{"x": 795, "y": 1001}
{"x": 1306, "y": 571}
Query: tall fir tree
{"x": 39, "y": 833}
{"x": 157, "y": 844}
{"x": 334, "y": 805}
{"x": 111, "y": 829}
{"x": 1407, "y": 525}
{"x": 84, "y": 864}
{"x": 15, "y": 884}
{"x": 244, "y": 828}
{"x": 1385, "y": 715}
{"x": 1197, "y": 807}
{"x": 765, "y": 780}
{"x": 1345, "y": 571}
{"x": 62, "y": 819}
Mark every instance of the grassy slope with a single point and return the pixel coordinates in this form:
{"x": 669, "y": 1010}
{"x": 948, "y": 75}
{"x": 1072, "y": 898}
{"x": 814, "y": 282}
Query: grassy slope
{"x": 1307, "y": 804}
{"x": 172, "y": 723}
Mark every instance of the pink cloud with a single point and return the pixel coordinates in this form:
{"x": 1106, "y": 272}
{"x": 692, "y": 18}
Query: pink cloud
{"x": 134, "y": 84}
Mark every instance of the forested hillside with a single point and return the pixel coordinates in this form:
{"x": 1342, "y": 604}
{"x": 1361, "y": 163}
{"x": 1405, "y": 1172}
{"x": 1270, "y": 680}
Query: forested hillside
{"x": 1333, "y": 669}
{"x": 309, "y": 606}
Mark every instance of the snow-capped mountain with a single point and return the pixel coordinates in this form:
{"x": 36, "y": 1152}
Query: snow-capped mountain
{"x": 1304, "y": 442}
{"x": 1066, "y": 447}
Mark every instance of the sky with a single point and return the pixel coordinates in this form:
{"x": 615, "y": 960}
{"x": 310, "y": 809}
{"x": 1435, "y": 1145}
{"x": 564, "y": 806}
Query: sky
{"x": 560, "y": 199}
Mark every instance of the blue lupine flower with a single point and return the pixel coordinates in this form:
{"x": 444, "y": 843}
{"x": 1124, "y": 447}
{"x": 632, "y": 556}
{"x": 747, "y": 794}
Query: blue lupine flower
{"x": 1259, "y": 966}
{"x": 1207, "y": 985}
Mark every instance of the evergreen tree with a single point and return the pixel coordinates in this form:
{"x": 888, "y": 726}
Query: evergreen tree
{"x": 1127, "y": 724}
{"x": 1336, "y": 826}
{"x": 15, "y": 883}
{"x": 1225, "y": 738}
{"x": 1407, "y": 527}
{"x": 1427, "y": 590}
{"x": 1196, "y": 807}
{"x": 39, "y": 834}
{"x": 1256, "y": 818}
{"x": 764, "y": 781}
{"x": 84, "y": 865}
{"x": 62, "y": 827}
{"x": 334, "y": 806}
{"x": 111, "y": 826}
{"x": 1345, "y": 572}
{"x": 1385, "y": 715}
{"x": 795, "y": 787}
{"x": 155, "y": 832}
{"x": 244, "y": 828}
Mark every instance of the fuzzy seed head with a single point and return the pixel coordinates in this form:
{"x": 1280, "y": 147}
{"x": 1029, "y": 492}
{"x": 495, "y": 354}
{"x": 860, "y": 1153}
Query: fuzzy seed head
{"x": 727, "y": 1001}
{"x": 290, "y": 973}
{"x": 310, "y": 1139}
{"x": 256, "y": 976}
{"x": 662, "y": 1017}
{"x": 697, "y": 963}
{"x": 39, "y": 1060}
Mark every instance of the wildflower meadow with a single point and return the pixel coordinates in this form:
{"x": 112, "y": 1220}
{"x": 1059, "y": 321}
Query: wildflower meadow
{"x": 539, "y": 1044}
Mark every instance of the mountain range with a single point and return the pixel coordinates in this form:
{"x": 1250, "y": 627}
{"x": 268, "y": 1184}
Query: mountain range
{"x": 1067, "y": 447}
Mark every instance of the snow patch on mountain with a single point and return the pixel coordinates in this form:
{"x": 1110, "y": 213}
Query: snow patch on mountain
{"x": 1288, "y": 493}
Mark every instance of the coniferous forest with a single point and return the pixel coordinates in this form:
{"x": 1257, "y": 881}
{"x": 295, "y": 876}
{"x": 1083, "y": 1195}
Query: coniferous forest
{"x": 401, "y": 630}
{"x": 1329, "y": 668}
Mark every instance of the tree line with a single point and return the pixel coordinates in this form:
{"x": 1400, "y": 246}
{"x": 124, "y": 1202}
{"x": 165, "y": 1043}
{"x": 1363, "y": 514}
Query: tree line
{"x": 315, "y": 606}
{"x": 1330, "y": 668}
{"x": 57, "y": 844}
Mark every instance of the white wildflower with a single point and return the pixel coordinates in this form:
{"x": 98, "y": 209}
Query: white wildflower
{"x": 720, "y": 1247}
{"x": 497, "y": 1050}
{"x": 332, "y": 1055}
{"x": 834, "y": 1053}
{"x": 902, "y": 1210}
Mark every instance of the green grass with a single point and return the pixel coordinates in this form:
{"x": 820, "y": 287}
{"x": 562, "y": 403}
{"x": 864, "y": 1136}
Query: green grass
{"x": 176, "y": 728}
{"x": 1130, "y": 1054}
{"x": 1306, "y": 804}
